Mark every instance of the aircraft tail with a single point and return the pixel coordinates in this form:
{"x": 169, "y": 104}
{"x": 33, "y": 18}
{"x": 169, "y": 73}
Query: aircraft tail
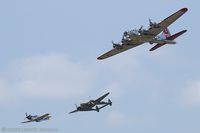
{"x": 166, "y": 33}
{"x": 171, "y": 37}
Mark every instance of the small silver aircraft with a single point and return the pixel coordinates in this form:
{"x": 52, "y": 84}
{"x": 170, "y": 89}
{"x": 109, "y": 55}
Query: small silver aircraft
{"x": 135, "y": 37}
{"x": 37, "y": 118}
{"x": 88, "y": 106}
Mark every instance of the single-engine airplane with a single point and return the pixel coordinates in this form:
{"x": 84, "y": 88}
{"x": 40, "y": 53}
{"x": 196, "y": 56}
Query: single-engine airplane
{"x": 135, "y": 37}
{"x": 37, "y": 118}
{"x": 88, "y": 106}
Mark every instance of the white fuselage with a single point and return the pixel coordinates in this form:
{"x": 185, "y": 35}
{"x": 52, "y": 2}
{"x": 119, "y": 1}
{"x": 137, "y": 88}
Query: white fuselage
{"x": 155, "y": 40}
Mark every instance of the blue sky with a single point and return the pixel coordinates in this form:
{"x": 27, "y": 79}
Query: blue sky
{"x": 48, "y": 64}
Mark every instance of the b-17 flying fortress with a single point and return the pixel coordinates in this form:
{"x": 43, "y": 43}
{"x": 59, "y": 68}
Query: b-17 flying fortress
{"x": 135, "y": 38}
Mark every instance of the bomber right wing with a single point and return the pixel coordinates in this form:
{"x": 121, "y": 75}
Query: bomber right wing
{"x": 101, "y": 98}
{"x": 166, "y": 22}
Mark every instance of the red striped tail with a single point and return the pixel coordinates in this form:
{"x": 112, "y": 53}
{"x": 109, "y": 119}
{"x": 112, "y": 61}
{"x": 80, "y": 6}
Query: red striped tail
{"x": 166, "y": 33}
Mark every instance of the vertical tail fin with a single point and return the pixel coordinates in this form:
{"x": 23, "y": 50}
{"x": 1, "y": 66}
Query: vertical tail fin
{"x": 166, "y": 33}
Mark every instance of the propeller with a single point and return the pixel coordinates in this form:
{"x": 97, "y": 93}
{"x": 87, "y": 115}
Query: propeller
{"x": 141, "y": 27}
{"x": 89, "y": 98}
{"x": 76, "y": 106}
{"x": 150, "y": 22}
{"x": 27, "y": 116}
{"x": 140, "y": 30}
{"x": 113, "y": 42}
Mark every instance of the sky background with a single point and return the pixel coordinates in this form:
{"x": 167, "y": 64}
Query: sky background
{"x": 48, "y": 51}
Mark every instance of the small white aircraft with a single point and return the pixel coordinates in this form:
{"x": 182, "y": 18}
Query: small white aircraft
{"x": 135, "y": 37}
{"x": 37, "y": 118}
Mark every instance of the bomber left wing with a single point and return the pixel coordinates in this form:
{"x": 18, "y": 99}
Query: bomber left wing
{"x": 73, "y": 111}
{"x": 115, "y": 51}
{"x": 91, "y": 109}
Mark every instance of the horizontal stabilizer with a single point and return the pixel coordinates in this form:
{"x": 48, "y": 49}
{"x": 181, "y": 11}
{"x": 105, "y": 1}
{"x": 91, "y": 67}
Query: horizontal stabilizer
{"x": 157, "y": 46}
{"x": 169, "y": 38}
{"x": 176, "y": 35}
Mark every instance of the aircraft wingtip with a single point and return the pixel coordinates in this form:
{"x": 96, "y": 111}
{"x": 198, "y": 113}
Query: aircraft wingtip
{"x": 184, "y": 9}
{"x": 151, "y": 49}
{"x": 183, "y": 31}
{"x": 100, "y": 58}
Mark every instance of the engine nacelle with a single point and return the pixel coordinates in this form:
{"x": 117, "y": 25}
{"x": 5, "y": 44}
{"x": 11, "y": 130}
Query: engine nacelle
{"x": 153, "y": 24}
{"x": 118, "y": 46}
{"x": 151, "y": 42}
{"x": 91, "y": 102}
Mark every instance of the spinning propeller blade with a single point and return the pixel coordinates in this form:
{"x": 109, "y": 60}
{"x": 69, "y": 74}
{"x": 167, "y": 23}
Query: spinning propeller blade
{"x": 76, "y": 106}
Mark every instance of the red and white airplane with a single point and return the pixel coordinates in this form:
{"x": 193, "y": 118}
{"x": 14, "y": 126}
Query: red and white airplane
{"x": 135, "y": 38}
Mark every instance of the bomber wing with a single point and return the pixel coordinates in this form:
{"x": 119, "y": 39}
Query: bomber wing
{"x": 115, "y": 51}
{"x": 73, "y": 111}
{"x": 101, "y": 98}
{"x": 166, "y": 22}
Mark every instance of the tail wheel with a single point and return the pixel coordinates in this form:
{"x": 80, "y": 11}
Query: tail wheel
{"x": 97, "y": 108}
